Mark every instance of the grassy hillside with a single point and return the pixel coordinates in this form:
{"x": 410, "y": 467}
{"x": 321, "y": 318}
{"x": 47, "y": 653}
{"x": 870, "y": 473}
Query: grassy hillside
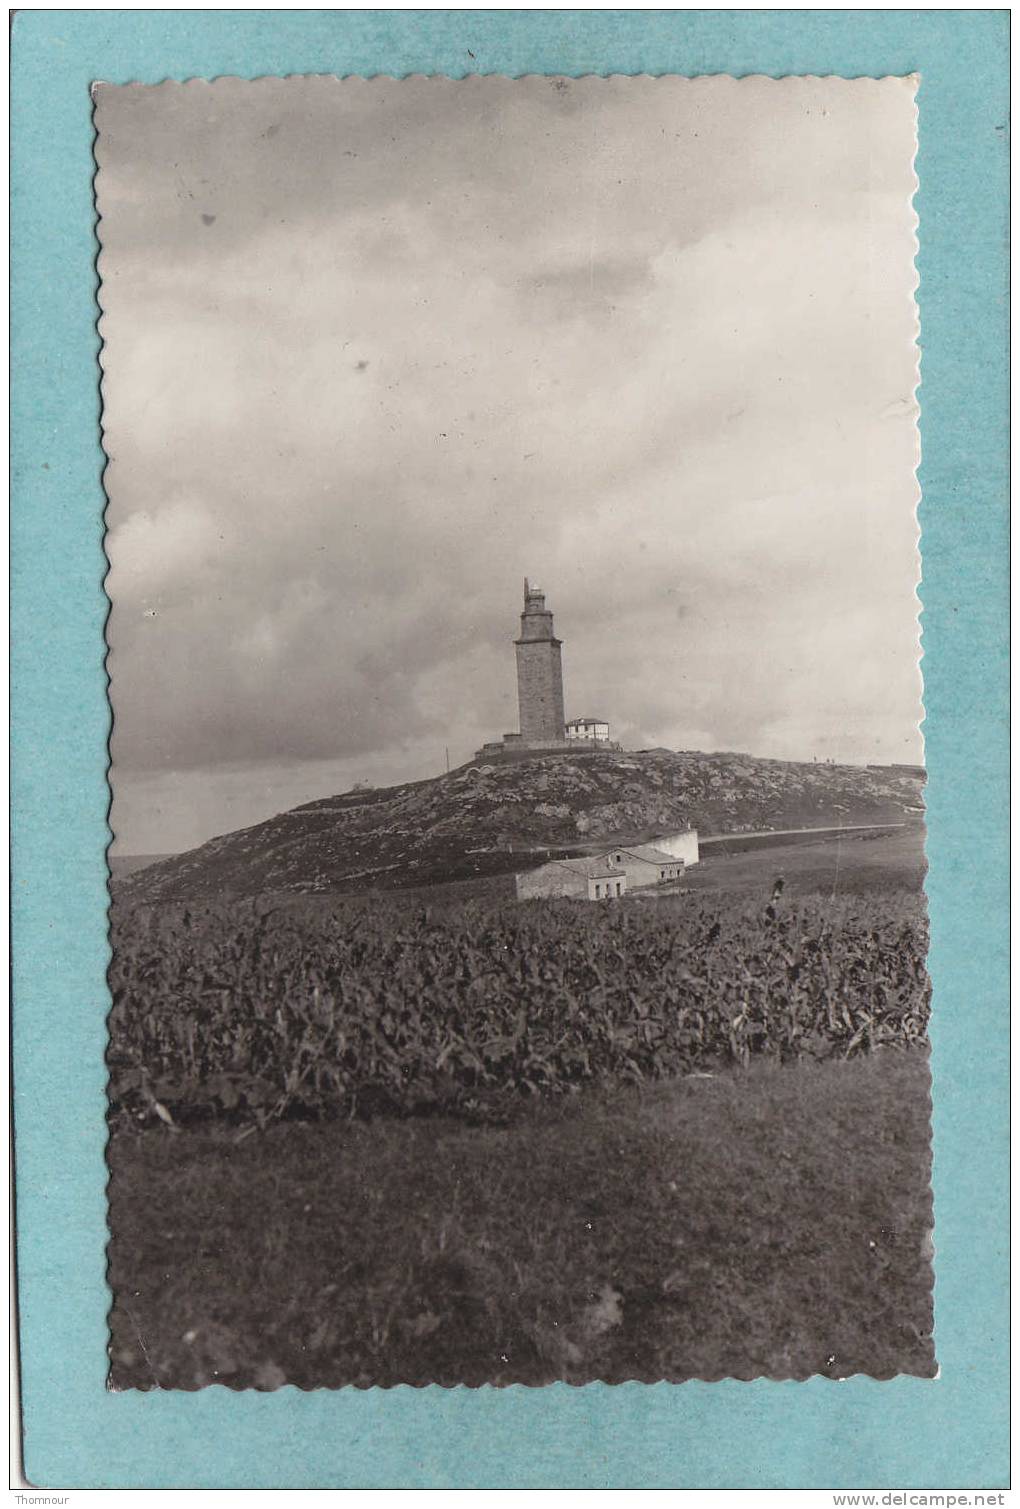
{"x": 766, "y": 1213}
{"x": 851, "y": 864}
{"x": 765, "y": 1222}
{"x": 488, "y": 820}
{"x": 122, "y": 865}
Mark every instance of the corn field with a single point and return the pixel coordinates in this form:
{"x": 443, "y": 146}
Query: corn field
{"x": 242, "y": 1013}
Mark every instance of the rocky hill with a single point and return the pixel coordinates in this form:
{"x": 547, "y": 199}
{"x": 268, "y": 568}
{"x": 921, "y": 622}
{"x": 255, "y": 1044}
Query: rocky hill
{"x": 490, "y": 819}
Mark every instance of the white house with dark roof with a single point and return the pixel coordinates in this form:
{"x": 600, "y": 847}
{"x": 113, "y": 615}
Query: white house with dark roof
{"x": 591, "y": 730}
{"x": 601, "y": 877}
{"x": 645, "y": 865}
{"x": 595, "y": 879}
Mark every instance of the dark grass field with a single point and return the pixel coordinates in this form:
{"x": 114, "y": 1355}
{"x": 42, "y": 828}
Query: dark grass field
{"x": 855, "y": 864}
{"x": 773, "y": 1221}
{"x": 768, "y": 1221}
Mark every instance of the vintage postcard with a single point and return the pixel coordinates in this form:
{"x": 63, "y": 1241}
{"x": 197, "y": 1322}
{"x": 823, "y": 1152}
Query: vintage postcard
{"x": 517, "y": 890}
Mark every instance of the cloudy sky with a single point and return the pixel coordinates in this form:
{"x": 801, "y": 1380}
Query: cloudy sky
{"x": 376, "y": 350}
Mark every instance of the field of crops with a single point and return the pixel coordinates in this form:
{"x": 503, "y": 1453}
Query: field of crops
{"x": 258, "y": 1015}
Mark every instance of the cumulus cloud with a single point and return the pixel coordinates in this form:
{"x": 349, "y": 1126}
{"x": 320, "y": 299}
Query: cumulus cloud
{"x": 376, "y": 350}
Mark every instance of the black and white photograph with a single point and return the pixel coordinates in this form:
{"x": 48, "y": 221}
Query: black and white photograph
{"x": 517, "y": 919}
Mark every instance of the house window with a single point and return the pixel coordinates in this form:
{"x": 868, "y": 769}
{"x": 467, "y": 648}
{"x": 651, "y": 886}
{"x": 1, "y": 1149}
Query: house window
{"x": 617, "y": 888}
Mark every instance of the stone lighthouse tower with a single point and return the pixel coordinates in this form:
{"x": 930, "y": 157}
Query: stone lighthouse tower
{"x": 539, "y": 672}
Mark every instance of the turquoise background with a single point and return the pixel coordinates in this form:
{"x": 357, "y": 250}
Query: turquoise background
{"x": 950, "y": 1433}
